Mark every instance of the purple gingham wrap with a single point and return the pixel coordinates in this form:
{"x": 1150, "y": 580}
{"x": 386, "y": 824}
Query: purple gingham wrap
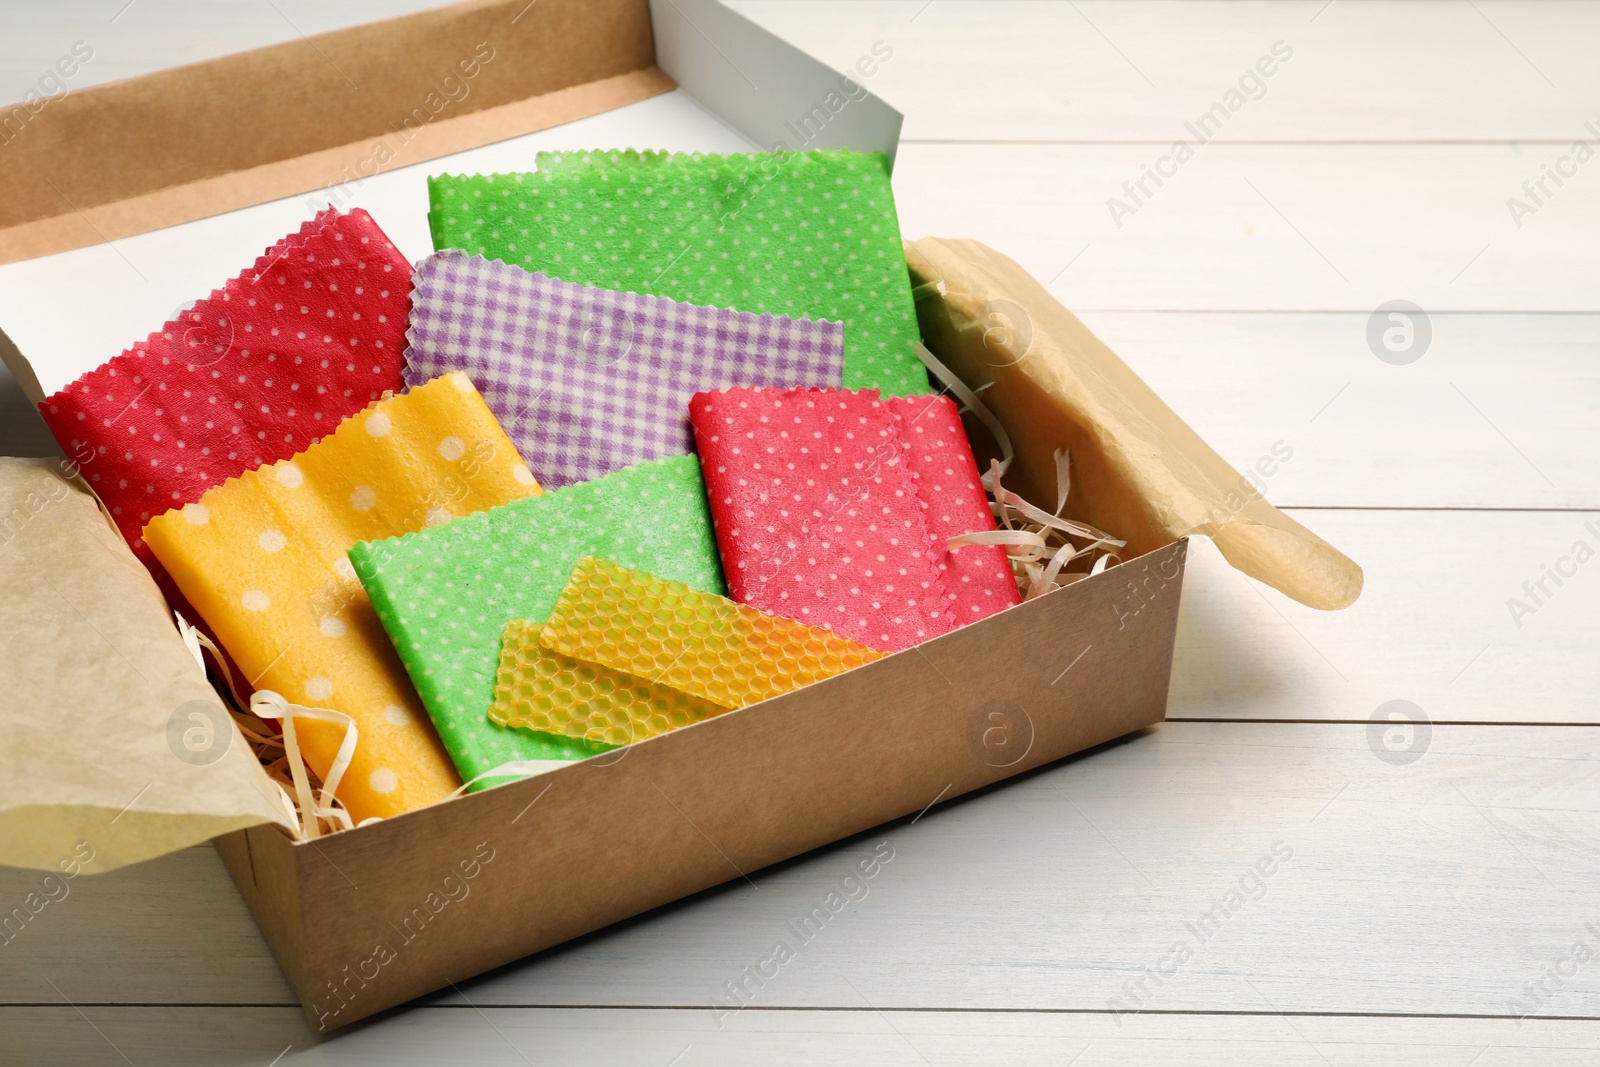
{"x": 587, "y": 381}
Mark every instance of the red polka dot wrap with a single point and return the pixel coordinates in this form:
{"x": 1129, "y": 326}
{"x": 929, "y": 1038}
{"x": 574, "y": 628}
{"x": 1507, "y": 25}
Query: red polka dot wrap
{"x": 266, "y": 365}
{"x": 833, "y": 507}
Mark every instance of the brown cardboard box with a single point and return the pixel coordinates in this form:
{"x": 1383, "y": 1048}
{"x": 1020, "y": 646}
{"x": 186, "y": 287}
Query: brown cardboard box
{"x": 369, "y": 918}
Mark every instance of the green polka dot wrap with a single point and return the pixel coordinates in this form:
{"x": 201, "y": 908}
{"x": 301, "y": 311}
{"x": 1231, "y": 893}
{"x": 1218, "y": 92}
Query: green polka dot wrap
{"x": 810, "y": 234}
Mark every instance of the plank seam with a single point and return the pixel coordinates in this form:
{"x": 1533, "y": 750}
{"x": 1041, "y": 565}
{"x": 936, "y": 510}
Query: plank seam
{"x": 857, "y": 1009}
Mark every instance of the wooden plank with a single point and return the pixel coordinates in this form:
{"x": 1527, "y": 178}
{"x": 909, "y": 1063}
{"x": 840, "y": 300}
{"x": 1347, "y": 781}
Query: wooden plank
{"x": 1432, "y": 625}
{"x": 1288, "y": 227}
{"x": 1499, "y": 410}
{"x": 136, "y": 933}
{"x": 984, "y": 70}
{"x": 1441, "y": 886}
{"x": 1009, "y": 69}
{"x": 207, "y": 1036}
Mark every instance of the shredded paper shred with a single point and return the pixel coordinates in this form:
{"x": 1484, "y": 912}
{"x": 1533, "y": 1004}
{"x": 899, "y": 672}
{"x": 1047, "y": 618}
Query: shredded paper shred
{"x": 1046, "y": 550}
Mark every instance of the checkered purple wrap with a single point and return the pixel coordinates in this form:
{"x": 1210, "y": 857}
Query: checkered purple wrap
{"x": 587, "y": 381}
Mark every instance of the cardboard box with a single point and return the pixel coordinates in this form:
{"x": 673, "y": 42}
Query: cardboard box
{"x": 364, "y": 920}
{"x": 370, "y": 918}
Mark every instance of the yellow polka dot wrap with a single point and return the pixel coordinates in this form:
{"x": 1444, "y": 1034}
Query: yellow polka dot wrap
{"x": 262, "y": 558}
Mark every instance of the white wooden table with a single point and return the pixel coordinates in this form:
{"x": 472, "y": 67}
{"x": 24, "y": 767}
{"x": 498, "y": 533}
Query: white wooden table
{"x": 1439, "y": 911}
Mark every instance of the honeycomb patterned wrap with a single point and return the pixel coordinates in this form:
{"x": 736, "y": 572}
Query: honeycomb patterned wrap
{"x": 698, "y": 643}
{"x": 554, "y": 694}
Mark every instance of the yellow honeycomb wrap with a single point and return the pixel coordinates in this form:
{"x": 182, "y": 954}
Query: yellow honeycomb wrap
{"x": 698, "y": 643}
{"x": 542, "y": 690}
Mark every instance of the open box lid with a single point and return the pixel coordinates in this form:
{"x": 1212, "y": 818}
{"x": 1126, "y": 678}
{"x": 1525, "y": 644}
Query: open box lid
{"x": 110, "y": 161}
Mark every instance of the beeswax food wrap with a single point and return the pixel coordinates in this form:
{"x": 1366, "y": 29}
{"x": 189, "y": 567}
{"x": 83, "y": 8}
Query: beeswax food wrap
{"x": 113, "y": 746}
{"x": 820, "y": 511}
{"x": 263, "y": 559}
{"x": 446, "y": 594}
{"x": 587, "y": 381}
{"x": 810, "y": 234}
{"x": 1139, "y": 471}
{"x": 696, "y": 642}
{"x": 546, "y": 692}
{"x": 944, "y": 477}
